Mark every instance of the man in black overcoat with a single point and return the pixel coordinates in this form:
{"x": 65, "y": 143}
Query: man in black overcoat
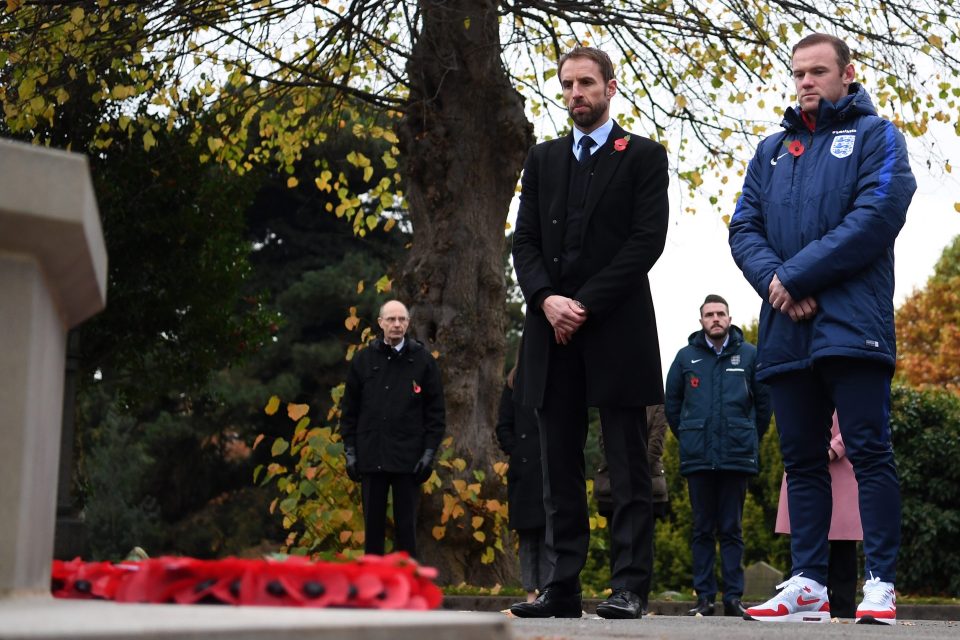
{"x": 392, "y": 422}
{"x": 592, "y": 222}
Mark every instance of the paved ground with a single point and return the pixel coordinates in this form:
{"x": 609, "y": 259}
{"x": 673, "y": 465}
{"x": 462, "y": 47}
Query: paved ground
{"x": 930, "y": 612}
{"x": 714, "y": 628}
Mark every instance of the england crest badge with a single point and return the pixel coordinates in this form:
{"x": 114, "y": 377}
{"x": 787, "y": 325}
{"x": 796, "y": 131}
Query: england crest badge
{"x": 735, "y": 360}
{"x": 842, "y": 146}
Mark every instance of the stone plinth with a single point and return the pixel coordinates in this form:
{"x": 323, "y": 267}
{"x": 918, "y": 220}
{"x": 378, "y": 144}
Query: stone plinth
{"x": 53, "y": 275}
{"x": 79, "y": 619}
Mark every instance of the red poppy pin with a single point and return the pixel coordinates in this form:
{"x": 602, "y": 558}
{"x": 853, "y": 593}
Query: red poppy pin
{"x": 416, "y": 387}
{"x": 621, "y": 143}
{"x": 694, "y": 382}
{"x": 795, "y": 148}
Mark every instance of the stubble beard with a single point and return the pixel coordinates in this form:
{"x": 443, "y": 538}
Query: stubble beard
{"x": 586, "y": 120}
{"x": 718, "y": 333}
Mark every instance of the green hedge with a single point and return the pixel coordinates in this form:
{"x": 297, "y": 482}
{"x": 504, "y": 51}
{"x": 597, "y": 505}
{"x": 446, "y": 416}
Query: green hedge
{"x": 926, "y": 438}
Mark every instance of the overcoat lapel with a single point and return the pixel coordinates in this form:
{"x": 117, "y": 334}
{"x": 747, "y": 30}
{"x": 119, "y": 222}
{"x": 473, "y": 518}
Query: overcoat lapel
{"x": 559, "y": 163}
{"x": 603, "y": 170}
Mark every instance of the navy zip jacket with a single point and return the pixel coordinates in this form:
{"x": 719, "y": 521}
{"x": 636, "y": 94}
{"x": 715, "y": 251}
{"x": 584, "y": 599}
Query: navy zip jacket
{"x": 716, "y": 407}
{"x": 822, "y": 210}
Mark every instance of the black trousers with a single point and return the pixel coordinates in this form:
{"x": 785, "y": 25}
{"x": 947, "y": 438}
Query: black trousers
{"x": 563, "y": 434}
{"x": 374, "y": 488}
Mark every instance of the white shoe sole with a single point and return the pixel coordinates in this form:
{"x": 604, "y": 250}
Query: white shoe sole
{"x": 802, "y": 616}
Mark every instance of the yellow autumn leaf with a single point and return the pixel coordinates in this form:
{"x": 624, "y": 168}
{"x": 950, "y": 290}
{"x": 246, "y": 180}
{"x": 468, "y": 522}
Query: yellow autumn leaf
{"x": 292, "y": 182}
{"x": 476, "y": 522}
{"x": 439, "y": 532}
{"x": 389, "y": 224}
{"x": 956, "y": 206}
{"x": 384, "y": 285}
{"x": 13, "y": 5}
{"x": 259, "y": 437}
{"x": 149, "y": 141}
{"x": 360, "y": 287}
{"x": 272, "y": 405}
{"x": 681, "y": 102}
{"x": 352, "y": 321}
{"x": 297, "y": 411}
{"x": 345, "y": 535}
{"x": 479, "y": 536}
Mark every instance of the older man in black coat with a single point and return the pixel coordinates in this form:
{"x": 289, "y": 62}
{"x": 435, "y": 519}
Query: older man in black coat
{"x": 592, "y": 222}
{"x": 392, "y": 422}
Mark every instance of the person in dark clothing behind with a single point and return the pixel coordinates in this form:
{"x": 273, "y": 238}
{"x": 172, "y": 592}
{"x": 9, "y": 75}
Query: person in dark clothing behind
{"x": 392, "y": 421}
{"x": 518, "y": 437}
{"x": 719, "y": 412}
{"x": 657, "y": 427}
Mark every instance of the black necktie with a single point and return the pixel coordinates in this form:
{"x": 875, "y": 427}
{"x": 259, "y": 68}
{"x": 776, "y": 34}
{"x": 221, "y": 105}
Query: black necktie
{"x": 586, "y": 142}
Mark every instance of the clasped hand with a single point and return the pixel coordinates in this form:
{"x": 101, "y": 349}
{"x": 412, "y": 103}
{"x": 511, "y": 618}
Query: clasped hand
{"x": 782, "y": 301}
{"x": 564, "y": 315}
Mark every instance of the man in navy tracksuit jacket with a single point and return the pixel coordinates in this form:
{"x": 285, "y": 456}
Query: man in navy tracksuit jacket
{"x": 719, "y": 412}
{"x": 813, "y": 232}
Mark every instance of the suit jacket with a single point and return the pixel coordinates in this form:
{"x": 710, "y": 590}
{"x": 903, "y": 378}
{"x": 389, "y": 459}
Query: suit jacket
{"x": 623, "y": 232}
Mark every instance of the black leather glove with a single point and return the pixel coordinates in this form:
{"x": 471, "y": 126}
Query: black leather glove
{"x": 351, "y": 455}
{"x": 424, "y": 467}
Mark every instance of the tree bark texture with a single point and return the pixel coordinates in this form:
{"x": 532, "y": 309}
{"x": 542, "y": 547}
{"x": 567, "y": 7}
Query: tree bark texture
{"x": 464, "y": 138}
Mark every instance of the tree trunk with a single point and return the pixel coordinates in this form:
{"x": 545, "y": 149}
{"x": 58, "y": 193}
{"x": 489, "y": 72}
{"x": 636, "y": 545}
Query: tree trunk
{"x": 464, "y": 138}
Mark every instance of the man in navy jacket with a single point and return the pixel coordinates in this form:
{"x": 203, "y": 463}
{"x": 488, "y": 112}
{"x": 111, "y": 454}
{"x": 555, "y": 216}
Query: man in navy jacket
{"x": 813, "y": 232}
{"x": 719, "y": 412}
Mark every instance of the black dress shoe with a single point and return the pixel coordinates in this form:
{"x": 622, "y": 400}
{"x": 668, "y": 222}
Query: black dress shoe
{"x": 704, "y": 608}
{"x": 733, "y": 608}
{"x": 550, "y": 604}
{"x": 621, "y": 604}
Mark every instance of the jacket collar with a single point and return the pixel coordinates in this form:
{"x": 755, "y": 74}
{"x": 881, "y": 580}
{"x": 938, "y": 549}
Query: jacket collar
{"x": 856, "y": 103}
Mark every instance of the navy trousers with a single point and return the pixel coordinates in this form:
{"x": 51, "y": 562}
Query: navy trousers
{"x": 804, "y": 402}
{"x": 716, "y": 498}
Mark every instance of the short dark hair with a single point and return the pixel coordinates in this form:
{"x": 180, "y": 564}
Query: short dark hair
{"x": 714, "y": 298}
{"x": 839, "y": 46}
{"x": 598, "y": 56}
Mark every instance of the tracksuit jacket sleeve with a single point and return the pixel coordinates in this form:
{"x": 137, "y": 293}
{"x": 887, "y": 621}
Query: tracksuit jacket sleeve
{"x": 884, "y": 188}
{"x": 673, "y": 395}
{"x": 748, "y": 236}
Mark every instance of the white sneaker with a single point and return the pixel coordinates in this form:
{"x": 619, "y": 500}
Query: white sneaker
{"x": 879, "y": 604}
{"x": 800, "y": 600}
